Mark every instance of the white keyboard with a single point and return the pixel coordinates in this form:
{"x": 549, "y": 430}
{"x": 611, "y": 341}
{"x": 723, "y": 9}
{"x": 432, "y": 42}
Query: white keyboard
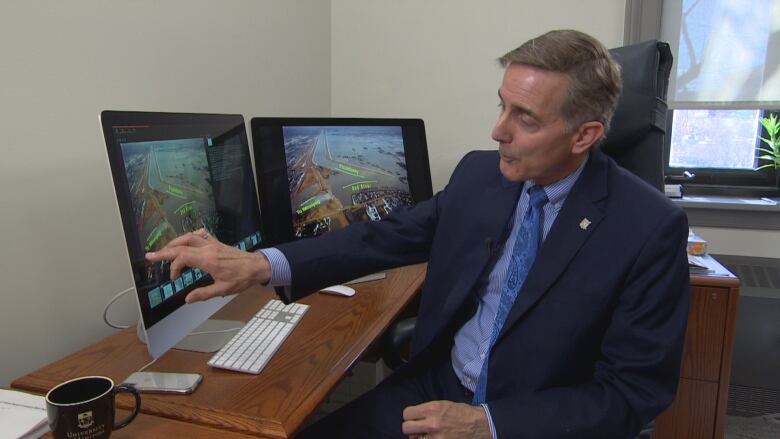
{"x": 251, "y": 348}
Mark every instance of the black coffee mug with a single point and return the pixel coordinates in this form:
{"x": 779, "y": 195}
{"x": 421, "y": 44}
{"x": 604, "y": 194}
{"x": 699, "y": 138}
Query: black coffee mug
{"x": 83, "y": 408}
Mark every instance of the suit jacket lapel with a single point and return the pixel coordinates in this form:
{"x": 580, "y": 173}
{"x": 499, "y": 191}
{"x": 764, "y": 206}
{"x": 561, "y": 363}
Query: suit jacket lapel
{"x": 496, "y": 207}
{"x": 566, "y": 236}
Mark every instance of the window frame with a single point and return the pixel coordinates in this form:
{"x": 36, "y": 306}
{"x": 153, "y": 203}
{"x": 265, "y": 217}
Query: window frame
{"x": 643, "y": 21}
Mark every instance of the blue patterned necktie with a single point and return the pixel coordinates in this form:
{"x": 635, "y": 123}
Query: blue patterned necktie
{"x": 523, "y": 255}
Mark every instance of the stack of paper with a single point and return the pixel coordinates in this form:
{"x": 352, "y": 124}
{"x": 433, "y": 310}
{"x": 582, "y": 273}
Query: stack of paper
{"x": 22, "y": 415}
{"x": 698, "y": 265}
{"x": 707, "y": 265}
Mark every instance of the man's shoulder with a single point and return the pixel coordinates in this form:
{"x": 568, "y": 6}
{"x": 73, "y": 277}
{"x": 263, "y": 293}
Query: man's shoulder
{"x": 480, "y": 158}
{"x": 629, "y": 193}
{"x": 478, "y": 167}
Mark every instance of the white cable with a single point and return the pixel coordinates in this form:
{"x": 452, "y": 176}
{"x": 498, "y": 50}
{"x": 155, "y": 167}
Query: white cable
{"x": 147, "y": 365}
{"x": 108, "y": 305}
{"x": 122, "y": 293}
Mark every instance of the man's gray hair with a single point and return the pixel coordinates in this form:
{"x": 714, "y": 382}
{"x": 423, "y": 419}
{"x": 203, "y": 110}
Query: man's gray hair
{"x": 594, "y": 76}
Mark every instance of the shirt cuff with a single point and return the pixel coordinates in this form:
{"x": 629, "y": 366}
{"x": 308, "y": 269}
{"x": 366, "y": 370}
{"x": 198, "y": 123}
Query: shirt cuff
{"x": 490, "y": 422}
{"x": 281, "y": 276}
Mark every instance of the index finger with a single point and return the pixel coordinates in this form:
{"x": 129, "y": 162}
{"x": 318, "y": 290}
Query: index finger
{"x": 173, "y": 248}
{"x": 164, "y": 254}
{"x": 180, "y": 257}
{"x": 192, "y": 239}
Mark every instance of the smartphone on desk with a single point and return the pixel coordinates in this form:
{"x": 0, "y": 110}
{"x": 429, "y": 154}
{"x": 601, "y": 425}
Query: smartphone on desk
{"x": 165, "y": 382}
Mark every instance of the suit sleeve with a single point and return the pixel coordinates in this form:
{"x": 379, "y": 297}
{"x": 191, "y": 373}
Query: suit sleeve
{"x": 637, "y": 375}
{"x": 365, "y": 247}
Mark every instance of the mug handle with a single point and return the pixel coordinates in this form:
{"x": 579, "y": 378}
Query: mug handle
{"x": 127, "y": 388}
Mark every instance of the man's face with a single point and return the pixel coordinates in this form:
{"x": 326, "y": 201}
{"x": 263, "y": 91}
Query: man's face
{"x": 533, "y": 139}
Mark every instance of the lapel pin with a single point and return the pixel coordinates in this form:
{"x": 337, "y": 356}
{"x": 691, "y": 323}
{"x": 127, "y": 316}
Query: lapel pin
{"x": 584, "y": 224}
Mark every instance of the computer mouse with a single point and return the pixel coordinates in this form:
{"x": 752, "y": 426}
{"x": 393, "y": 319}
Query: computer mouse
{"x": 339, "y": 290}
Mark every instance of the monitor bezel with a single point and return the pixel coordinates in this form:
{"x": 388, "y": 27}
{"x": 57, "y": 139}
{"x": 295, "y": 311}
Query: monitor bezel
{"x": 271, "y": 164}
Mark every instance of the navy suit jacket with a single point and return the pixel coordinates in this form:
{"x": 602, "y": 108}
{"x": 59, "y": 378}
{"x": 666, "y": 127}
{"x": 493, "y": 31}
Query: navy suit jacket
{"x": 592, "y": 346}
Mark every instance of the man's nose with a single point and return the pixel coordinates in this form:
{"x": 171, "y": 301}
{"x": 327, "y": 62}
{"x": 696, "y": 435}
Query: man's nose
{"x": 500, "y": 132}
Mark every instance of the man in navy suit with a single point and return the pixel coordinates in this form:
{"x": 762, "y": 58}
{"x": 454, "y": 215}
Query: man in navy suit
{"x": 591, "y": 345}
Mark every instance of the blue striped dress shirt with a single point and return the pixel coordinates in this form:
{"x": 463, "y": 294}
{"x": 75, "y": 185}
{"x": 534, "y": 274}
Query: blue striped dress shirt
{"x": 473, "y": 339}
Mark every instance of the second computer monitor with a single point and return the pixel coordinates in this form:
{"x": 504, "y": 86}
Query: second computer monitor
{"x": 321, "y": 174}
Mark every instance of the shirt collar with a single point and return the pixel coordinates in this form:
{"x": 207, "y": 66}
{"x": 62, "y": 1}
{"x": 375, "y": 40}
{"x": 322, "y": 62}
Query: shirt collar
{"x": 557, "y": 192}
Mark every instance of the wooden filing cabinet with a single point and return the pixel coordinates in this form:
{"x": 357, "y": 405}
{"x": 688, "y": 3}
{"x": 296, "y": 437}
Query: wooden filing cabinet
{"x": 699, "y": 410}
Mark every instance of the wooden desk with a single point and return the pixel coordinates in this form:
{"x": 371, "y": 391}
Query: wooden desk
{"x": 148, "y": 426}
{"x": 334, "y": 334}
{"x": 699, "y": 410}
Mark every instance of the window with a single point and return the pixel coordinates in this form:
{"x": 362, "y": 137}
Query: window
{"x": 725, "y": 78}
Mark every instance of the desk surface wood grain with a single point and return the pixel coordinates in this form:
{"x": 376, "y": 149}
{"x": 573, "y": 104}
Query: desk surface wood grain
{"x": 333, "y": 334}
{"x": 148, "y": 426}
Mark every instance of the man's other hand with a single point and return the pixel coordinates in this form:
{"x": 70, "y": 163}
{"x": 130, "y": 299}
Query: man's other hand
{"x": 233, "y": 270}
{"x": 446, "y": 419}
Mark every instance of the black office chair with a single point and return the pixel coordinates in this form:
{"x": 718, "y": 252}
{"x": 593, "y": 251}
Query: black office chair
{"x": 635, "y": 141}
{"x": 636, "y": 138}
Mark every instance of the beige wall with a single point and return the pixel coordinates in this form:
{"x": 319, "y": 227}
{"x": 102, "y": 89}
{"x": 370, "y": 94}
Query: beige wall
{"x": 435, "y": 59}
{"x": 62, "y": 62}
{"x": 742, "y": 242}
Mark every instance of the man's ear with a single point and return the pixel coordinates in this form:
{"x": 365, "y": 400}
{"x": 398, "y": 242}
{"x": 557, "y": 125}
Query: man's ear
{"x": 586, "y": 135}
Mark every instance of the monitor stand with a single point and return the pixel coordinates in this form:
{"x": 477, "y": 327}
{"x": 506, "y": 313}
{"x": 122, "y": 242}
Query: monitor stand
{"x": 368, "y": 277}
{"x": 207, "y": 343}
{"x": 213, "y": 341}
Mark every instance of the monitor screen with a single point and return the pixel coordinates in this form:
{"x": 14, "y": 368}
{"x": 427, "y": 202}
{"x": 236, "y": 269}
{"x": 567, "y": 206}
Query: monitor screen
{"x": 322, "y": 174}
{"x": 717, "y": 147}
{"x": 718, "y": 139}
{"x": 174, "y": 173}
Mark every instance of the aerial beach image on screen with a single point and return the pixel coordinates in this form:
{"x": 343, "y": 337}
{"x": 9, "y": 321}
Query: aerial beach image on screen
{"x": 339, "y": 175}
{"x": 170, "y": 189}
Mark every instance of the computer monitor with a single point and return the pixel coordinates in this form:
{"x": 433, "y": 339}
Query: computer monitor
{"x": 175, "y": 173}
{"x": 321, "y": 174}
{"x": 716, "y": 151}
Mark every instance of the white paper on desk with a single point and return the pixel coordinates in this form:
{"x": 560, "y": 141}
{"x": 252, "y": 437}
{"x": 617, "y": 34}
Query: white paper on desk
{"x": 22, "y": 415}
